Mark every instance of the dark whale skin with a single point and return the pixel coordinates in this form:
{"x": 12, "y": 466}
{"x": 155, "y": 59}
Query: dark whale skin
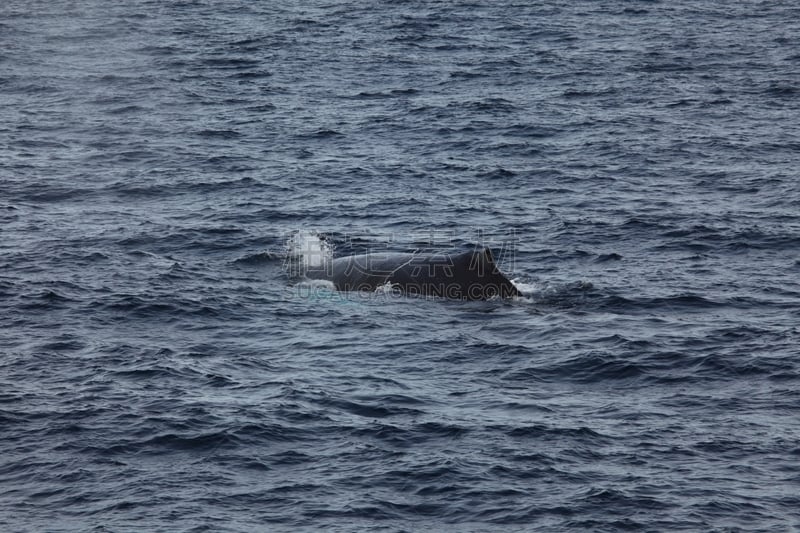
{"x": 471, "y": 275}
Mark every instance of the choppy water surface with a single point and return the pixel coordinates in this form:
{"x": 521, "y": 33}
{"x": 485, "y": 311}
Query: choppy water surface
{"x": 633, "y": 163}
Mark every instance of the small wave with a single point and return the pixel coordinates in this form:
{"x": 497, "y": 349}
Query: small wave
{"x": 221, "y": 134}
{"x": 782, "y": 90}
{"x": 603, "y": 258}
{"x": 370, "y": 410}
{"x": 165, "y": 309}
{"x": 408, "y": 436}
{"x": 588, "y": 368}
{"x": 380, "y": 95}
{"x": 41, "y": 193}
{"x": 575, "y": 94}
{"x": 230, "y": 62}
{"x": 530, "y": 131}
{"x": 540, "y": 431}
{"x": 253, "y": 75}
{"x": 491, "y": 105}
{"x": 498, "y": 173}
{"x": 47, "y": 299}
{"x": 260, "y": 258}
{"x": 686, "y": 302}
{"x": 124, "y": 110}
{"x": 320, "y": 134}
{"x": 172, "y": 442}
{"x": 63, "y": 346}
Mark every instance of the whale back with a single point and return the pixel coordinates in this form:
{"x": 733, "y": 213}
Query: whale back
{"x": 470, "y": 275}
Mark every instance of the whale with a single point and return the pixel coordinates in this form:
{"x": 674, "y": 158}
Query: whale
{"x": 468, "y": 275}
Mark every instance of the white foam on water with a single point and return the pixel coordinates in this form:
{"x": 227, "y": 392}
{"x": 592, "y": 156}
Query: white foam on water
{"x": 308, "y": 250}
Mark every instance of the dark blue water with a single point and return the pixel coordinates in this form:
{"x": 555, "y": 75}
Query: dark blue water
{"x": 633, "y": 163}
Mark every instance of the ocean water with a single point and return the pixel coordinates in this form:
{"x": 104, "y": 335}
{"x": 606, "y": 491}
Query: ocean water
{"x": 633, "y": 165}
